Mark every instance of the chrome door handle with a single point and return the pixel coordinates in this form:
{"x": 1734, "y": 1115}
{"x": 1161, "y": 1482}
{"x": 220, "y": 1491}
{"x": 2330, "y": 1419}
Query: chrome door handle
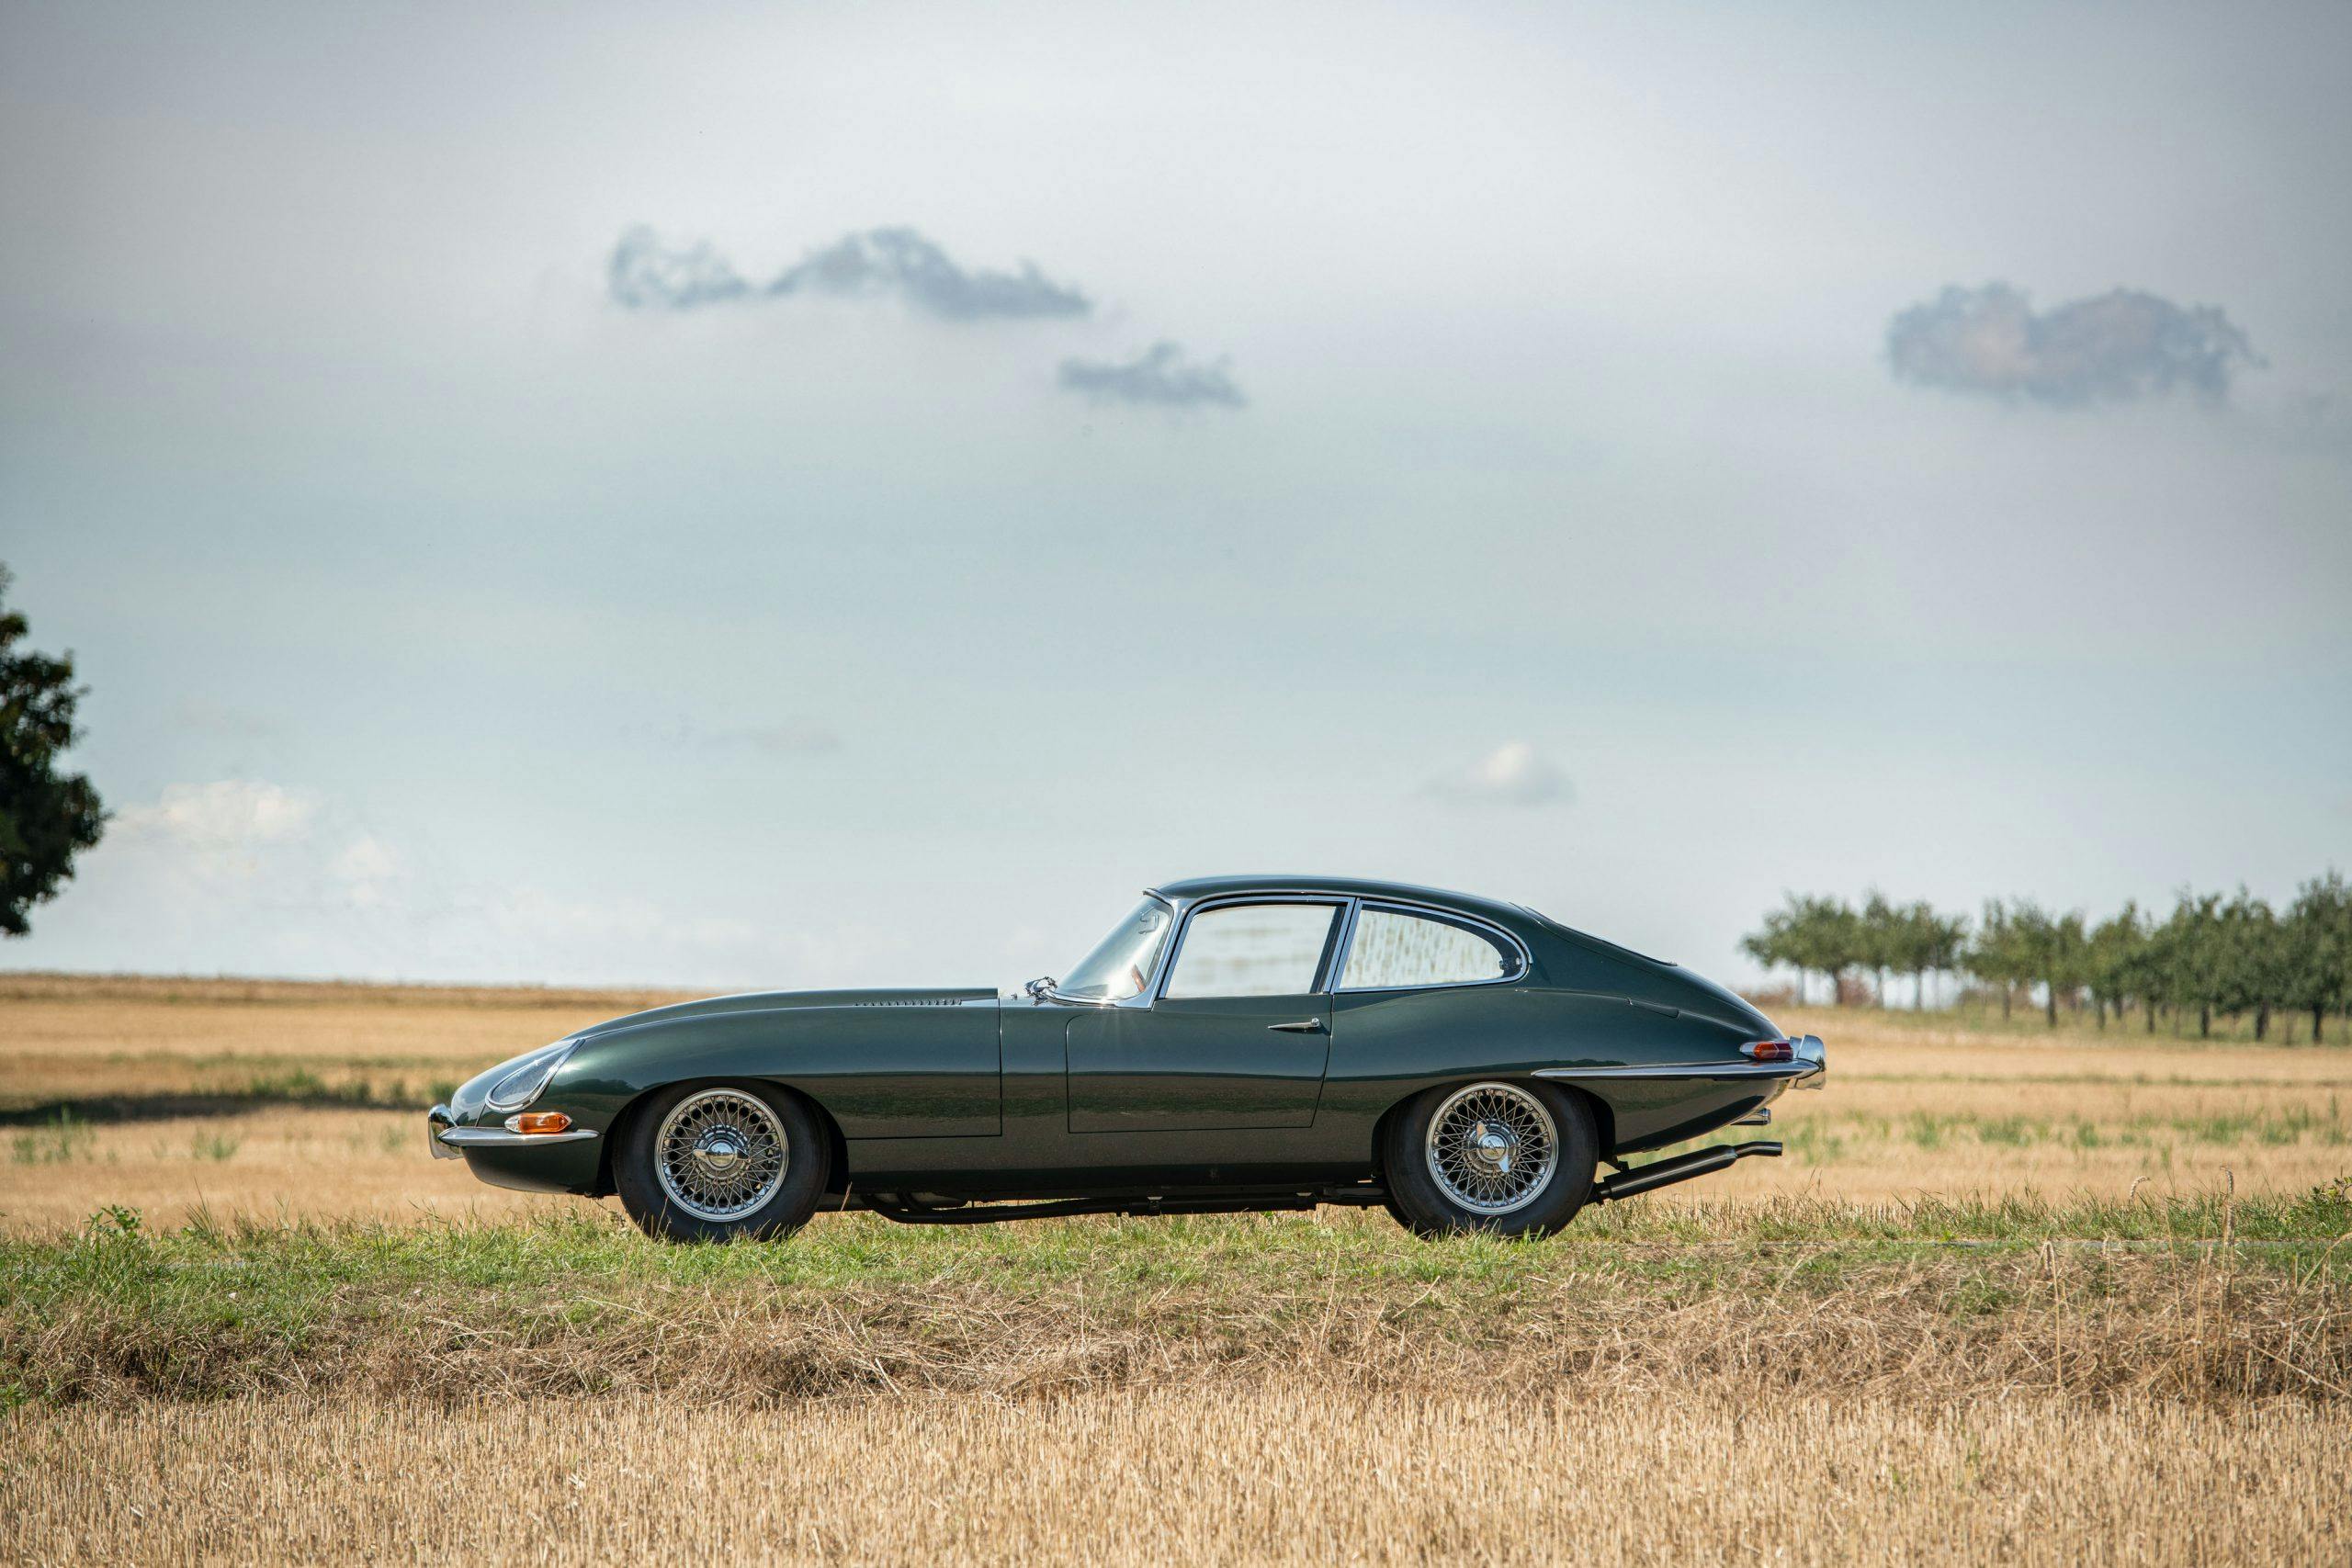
{"x": 1306, "y": 1026}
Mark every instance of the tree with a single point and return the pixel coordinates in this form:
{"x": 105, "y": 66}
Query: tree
{"x": 1938, "y": 942}
{"x": 2197, "y": 957}
{"x": 2115, "y": 966}
{"x": 1770, "y": 945}
{"x": 2049, "y": 948}
{"x": 1829, "y": 938}
{"x": 47, "y": 815}
{"x": 2253, "y": 960}
{"x": 1998, "y": 955}
{"x": 1808, "y": 932}
{"x": 2318, "y": 950}
{"x": 1879, "y": 939}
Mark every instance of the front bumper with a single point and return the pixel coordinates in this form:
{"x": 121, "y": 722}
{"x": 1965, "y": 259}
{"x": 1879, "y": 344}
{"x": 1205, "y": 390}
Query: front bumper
{"x": 449, "y": 1141}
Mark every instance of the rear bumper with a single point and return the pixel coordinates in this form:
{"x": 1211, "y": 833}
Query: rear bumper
{"x": 1806, "y": 1069}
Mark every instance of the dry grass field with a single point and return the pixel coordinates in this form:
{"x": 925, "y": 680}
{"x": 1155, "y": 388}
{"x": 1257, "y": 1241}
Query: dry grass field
{"x": 2035, "y": 1296}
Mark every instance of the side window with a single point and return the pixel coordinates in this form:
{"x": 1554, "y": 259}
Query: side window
{"x": 1392, "y": 949}
{"x": 1252, "y": 949}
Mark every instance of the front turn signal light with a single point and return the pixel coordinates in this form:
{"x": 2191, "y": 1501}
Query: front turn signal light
{"x": 1770, "y": 1050}
{"x": 538, "y": 1121}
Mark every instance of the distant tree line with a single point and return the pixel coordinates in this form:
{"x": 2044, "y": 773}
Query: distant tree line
{"x": 2230, "y": 956}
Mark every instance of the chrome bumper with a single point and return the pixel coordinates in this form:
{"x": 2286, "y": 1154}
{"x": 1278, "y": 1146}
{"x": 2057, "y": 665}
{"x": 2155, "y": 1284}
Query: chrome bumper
{"x": 447, "y": 1141}
{"x": 1814, "y": 1056}
{"x": 1806, "y": 1069}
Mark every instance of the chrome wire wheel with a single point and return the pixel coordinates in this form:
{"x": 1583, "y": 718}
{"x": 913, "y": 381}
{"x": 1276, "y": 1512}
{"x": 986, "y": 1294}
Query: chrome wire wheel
{"x": 720, "y": 1154}
{"x": 1492, "y": 1148}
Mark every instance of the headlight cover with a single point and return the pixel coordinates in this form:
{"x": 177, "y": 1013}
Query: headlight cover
{"x": 519, "y": 1082}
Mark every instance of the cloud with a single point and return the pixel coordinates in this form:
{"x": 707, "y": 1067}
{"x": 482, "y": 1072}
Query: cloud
{"x": 247, "y": 839}
{"x": 245, "y": 876}
{"x": 222, "y": 828}
{"x": 645, "y": 275}
{"x": 368, "y": 869}
{"x": 1159, "y": 375}
{"x": 1513, "y": 773}
{"x": 2112, "y": 348}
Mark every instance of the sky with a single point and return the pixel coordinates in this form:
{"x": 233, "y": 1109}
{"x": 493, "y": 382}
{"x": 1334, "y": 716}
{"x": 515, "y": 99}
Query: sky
{"x": 783, "y": 496}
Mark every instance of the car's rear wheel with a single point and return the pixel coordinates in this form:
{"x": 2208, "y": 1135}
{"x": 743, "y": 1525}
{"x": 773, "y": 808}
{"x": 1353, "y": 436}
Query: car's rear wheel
{"x": 1510, "y": 1158}
{"x": 714, "y": 1162}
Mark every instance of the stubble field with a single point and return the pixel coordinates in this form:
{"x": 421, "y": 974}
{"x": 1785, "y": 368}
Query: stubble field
{"x": 2063, "y": 1297}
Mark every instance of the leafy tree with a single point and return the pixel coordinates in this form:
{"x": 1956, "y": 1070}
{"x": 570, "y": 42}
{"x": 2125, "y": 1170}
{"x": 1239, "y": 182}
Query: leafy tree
{"x": 1808, "y": 932}
{"x": 1936, "y": 942}
{"x": 1772, "y": 945}
{"x": 1879, "y": 938}
{"x": 2215, "y": 955}
{"x": 1830, "y": 937}
{"x": 2317, "y": 940}
{"x": 47, "y": 815}
{"x": 2116, "y": 965}
{"x": 2197, "y": 957}
{"x": 2049, "y": 948}
{"x": 2253, "y": 960}
{"x": 1998, "y": 955}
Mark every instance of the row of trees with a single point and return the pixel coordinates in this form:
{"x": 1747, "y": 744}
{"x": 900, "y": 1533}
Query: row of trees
{"x": 2211, "y": 955}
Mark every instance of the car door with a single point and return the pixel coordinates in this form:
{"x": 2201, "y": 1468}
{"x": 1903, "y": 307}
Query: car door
{"x": 1238, "y": 1035}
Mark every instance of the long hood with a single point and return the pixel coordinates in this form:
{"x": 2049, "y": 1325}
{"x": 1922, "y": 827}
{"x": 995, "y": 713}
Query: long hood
{"x": 775, "y": 1001}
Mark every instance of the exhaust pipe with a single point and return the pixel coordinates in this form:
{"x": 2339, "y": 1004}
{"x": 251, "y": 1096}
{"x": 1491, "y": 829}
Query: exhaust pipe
{"x": 1681, "y": 1167}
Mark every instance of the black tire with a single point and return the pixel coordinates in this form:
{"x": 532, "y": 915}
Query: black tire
{"x": 669, "y": 1215}
{"x": 1427, "y": 1209}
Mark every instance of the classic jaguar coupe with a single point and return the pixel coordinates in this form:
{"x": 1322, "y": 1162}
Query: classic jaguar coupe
{"x": 1236, "y": 1043}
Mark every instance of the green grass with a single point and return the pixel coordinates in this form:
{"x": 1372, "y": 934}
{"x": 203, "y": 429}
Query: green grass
{"x": 281, "y": 1266}
{"x": 61, "y": 1140}
{"x": 581, "y": 1301}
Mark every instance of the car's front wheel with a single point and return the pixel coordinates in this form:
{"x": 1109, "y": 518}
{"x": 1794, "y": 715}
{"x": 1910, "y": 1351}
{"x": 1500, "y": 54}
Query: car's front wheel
{"x": 1511, "y": 1159}
{"x": 714, "y": 1162}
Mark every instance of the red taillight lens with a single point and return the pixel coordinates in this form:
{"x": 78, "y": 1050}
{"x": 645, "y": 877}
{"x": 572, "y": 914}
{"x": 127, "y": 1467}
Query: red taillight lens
{"x": 1769, "y": 1050}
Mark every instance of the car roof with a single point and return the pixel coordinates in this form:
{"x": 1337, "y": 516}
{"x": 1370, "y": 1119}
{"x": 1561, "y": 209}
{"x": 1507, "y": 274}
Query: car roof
{"x": 1193, "y": 887}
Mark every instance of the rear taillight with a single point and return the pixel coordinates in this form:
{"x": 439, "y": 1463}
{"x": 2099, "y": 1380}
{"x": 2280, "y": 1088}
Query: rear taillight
{"x": 1769, "y": 1050}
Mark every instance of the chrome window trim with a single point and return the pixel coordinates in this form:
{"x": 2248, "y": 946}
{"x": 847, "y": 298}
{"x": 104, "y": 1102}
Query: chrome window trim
{"x": 1321, "y": 984}
{"x": 1506, "y": 940}
{"x": 1142, "y": 998}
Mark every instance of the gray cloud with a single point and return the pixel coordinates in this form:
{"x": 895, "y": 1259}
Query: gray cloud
{"x": 2110, "y": 348}
{"x": 1159, "y": 375}
{"x": 646, "y": 275}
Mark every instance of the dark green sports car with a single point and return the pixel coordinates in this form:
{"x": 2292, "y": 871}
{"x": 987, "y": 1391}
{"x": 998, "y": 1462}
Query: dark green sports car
{"x": 1236, "y": 1043}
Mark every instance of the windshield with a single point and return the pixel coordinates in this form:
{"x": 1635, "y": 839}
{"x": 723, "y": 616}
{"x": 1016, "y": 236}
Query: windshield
{"x": 1121, "y": 964}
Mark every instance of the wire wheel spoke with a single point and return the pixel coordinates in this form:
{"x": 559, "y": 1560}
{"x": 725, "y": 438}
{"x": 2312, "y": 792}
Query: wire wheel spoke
{"x": 721, "y": 1155}
{"x": 1492, "y": 1148}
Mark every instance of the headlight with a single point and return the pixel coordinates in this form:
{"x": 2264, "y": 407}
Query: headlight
{"x": 518, "y": 1082}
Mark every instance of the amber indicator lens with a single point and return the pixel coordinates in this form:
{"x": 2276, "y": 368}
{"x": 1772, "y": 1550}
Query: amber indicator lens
{"x": 1769, "y": 1050}
{"x": 539, "y": 1122}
